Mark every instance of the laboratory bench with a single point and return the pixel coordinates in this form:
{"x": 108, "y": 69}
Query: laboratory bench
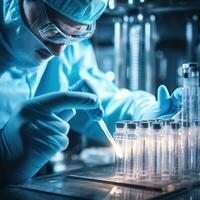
{"x": 98, "y": 182}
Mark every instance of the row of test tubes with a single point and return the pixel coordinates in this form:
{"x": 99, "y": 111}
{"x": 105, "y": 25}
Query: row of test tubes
{"x": 158, "y": 150}
{"x": 164, "y": 149}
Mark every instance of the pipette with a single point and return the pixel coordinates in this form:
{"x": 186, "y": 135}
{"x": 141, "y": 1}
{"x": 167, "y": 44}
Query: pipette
{"x": 110, "y": 138}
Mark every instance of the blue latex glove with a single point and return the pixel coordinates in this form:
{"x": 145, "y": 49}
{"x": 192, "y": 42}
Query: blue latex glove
{"x": 165, "y": 107}
{"x": 84, "y": 86}
{"x": 34, "y": 133}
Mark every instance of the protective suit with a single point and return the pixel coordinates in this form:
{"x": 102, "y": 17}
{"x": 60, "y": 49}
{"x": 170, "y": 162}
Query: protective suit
{"x": 119, "y": 104}
{"x": 24, "y": 76}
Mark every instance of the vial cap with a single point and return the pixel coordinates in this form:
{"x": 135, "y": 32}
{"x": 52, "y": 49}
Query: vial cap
{"x": 156, "y": 125}
{"x": 168, "y": 121}
{"x": 175, "y": 125}
{"x": 186, "y": 124}
{"x": 120, "y": 124}
{"x": 144, "y": 124}
{"x": 132, "y": 125}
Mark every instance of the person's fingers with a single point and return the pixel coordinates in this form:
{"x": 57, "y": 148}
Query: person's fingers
{"x": 52, "y": 127}
{"x": 43, "y": 134}
{"x": 36, "y": 111}
{"x": 163, "y": 99}
{"x": 162, "y": 93}
{"x": 96, "y": 114}
{"x": 54, "y": 132}
{"x": 177, "y": 97}
{"x": 59, "y": 101}
{"x": 178, "y": 92}
{"x": 83, "y": 86}
{"x": 66, "y": 115}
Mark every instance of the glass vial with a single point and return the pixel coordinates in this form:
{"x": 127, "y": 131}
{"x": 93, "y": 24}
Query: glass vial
{"x": 132, "y": 150}
{"x": 175, "y": 151}
{"x": 165, "y": 149}
{"x": 187, "y": 149}
{"x": 156, "y": 151}
{"x": 120, "y": 139}
{"x": 144, "y": 149}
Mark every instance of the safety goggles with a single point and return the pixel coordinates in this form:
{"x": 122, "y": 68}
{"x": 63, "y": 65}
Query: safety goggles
{"x": 52, "y": 33}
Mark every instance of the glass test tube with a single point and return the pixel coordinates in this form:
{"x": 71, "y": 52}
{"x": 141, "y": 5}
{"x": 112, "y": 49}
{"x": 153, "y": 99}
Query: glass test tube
{"x": 196, "y": 148}
{"x": 144, "y": 149}
{"x": 156, "y": 151}
{"x": 194, "y": 111}
{"x": 187, "y": 149}
{"x": 175, "y": 151}
{"x": 194, "y": 91}
{"x": 190, "y": 98}
{"x": 165, "y": 149}
{"x": 132, "y": 150}
{"x": 186, "y": 94}
{"x": 120, "y": 139}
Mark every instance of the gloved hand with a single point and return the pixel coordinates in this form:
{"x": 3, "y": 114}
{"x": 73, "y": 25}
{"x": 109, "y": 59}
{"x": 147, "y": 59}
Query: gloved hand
{"x": 84, "y": 86}
{"x": 34, "y": 133}
{"x": 165, "y": 107}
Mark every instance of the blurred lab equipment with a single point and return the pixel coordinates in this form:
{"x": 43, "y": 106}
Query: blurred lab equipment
{"x": 93, "y": 156}
{"x": 190, "y": 102}
{"x": 147, "y": 41}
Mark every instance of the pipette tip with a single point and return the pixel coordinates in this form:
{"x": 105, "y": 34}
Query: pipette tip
{"x": 110, "y": 138}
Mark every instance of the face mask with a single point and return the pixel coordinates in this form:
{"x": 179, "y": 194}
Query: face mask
{"x": 20, "y": 41}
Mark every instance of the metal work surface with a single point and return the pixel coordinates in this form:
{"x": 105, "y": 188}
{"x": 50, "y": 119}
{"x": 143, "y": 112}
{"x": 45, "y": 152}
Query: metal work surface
{"x": 88, "y": 190}
{"x": 106, "y": 175}
{"x": 100, "y": 183}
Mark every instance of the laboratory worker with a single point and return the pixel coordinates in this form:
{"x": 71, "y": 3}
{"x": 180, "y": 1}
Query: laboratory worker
{"x": 48, "y": 73}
